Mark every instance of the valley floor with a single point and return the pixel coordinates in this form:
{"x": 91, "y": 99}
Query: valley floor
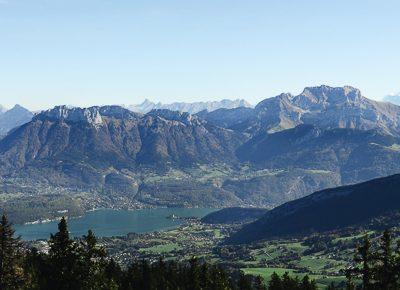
{"x": 323, "y": 257}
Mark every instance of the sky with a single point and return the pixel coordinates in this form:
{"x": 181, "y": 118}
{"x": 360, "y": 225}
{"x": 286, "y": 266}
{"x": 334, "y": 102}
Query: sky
{"x": 87, "y": 52}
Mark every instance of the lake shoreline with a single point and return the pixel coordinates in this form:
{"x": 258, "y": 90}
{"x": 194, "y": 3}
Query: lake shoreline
{"x": 115, "y": 222}
{"x": 47, "y": 220}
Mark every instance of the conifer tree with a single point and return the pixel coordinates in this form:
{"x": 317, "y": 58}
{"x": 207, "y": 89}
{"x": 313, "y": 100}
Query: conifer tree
{"x": 161, "y": 275}
{"x": 194, "y": 274}
{"x": 63, "y": 258}
{"x": 36, "y": 270}
{"x": 11, "y": 273}
{"x": 385, "y": 270}
{"x": 205, "y": 279}
{"x": 219, "y": 279}
{"x": 364, "y": 256}
{"x": 173, "y": 273}
{"x": 113, "y": 274}
{"x": 275, "y": 283}
{"x": 306, "y": 284}
{"x": 332, "y": 286}
{"x": 288, "y": 282}
{"x": 349, "y": 280}
{"x": 259, "y": 283}
{"x": 244, "y": 282}
{"x": 147, "y": 276}
{"x": 93, "y": 263}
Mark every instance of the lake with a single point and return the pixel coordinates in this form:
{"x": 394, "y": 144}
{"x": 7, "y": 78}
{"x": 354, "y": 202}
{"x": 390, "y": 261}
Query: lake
{"x": 108, "y": 222}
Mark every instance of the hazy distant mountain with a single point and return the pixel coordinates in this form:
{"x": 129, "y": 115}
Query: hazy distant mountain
{"x": 326, "y": 210}
{"x": 228, "y": 118}
{"x": 327, "y": 107}
{"x": 13, "y": 118}
{"x": 394, "y": 99}
{"x": 144, "y": 107}
{"x": 191, "y": 108}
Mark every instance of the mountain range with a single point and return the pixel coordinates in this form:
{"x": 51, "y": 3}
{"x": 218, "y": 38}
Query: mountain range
{"x": 109, "y": 151}
{"x": 191, "y": 108}
{"x": 325, "y": 210}
{"x": 13, "y": 118}
{"x": 283, "y": 149}
{"x": 114, "y": 137}
{"x": 323, "y": 106}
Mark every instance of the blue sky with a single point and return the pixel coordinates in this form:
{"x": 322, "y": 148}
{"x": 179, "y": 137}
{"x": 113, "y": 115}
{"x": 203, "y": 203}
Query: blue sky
{"x": 85, "y": 52}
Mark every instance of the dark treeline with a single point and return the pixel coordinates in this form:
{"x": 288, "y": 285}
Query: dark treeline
{"x": 83, "y": 264}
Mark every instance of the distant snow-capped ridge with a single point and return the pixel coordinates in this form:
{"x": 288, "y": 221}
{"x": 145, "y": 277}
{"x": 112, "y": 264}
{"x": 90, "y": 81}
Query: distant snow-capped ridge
{"x": 191, "y": 108}
{"x": 393, "y": 98}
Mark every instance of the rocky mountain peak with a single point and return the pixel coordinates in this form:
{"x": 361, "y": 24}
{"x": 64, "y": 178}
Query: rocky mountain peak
{"x": 92, "y": 115}
{"x": 328, "y": 107}
{"x": 324, "y": 95}
{"x": 275, "y": 101}
{"x": 72, "y": 114}
{"x": 147, "y": 102}
{"x": 19, "y": 108}
{"x": 13, "y": 118}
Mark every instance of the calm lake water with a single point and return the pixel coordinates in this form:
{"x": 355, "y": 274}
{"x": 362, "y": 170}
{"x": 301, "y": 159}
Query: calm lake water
{"x": 106, "y": 222}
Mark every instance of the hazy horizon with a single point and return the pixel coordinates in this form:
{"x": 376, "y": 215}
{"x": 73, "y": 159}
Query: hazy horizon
{"x": 9, "y": 105}
{"x": 105, "y": 52}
